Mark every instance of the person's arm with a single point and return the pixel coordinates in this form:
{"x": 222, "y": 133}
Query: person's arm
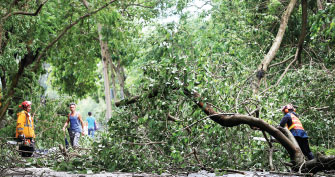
{"x": 20, "y": 123}
{"x": 95, "y": 125}
{"x": 82, "y": 123}
{"x": 66, "y": 123}
{"x": 284, "y": 120}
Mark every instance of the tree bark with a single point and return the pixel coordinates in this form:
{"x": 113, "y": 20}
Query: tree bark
{"x": 105, "y": 59}
{"x": 320, "y": 163}
{"x": 1, "y": 33}
{"x": 114, "y": 75}
{"x": 303, "y": 29}
{"x": 262, "y": 68}
{"x": 120, "y": 78}
{"x": 113, "y": 81}
{"x": 119, "y": 71}
{"x": 320, "y": 4}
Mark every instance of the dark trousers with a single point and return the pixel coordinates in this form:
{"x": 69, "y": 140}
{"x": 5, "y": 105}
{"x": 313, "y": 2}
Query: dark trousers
{"x": 304, "y": 146}
{"x": 27, "y": 150}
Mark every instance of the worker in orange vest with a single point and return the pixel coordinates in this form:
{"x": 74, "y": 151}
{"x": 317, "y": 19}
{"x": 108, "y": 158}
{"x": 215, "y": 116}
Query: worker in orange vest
{"x": 25, "y": 130}
{"x": 293, "y": 123}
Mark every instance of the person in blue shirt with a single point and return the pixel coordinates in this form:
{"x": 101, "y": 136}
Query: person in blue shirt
{"x": 76, "y": 125}
{"x": 91, "y": 124}
{"x": 293, "y": 123}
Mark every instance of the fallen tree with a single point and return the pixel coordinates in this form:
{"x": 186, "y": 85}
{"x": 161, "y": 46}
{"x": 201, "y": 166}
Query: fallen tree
{"x": 298, "y": 163}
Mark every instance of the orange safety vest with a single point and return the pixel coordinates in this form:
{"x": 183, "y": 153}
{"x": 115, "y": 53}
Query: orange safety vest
{"x": 25, "y": 125}
{"x": 296, "y": 124}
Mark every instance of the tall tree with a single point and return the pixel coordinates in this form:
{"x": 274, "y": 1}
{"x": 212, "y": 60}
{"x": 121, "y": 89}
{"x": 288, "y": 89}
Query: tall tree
{"x": 36, "y": 44}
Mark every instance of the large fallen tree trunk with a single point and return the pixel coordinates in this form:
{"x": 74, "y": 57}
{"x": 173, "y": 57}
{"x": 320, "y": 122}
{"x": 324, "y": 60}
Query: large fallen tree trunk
{"x": 237, "y": 119}
{"x": 321, "y": 163}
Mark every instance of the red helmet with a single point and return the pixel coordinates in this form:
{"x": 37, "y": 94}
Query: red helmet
{"x": 287, "y": 107}
{"x": 25, "y": 104}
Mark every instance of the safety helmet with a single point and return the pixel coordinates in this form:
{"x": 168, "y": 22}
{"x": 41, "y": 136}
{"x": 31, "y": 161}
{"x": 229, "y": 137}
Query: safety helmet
{"x": 25, "y": 104}
{"x": 288, "y": 107}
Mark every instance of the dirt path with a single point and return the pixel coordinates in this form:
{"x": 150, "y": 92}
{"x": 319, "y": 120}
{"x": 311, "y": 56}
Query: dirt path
{"x": 46, "y": 172}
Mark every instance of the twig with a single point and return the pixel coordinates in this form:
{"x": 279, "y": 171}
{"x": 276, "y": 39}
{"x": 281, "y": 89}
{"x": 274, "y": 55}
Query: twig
{"x": 289, "y": 58}
{"x": 171, "y": 118}
{"x": 322, "y": 108}
{"x": 282, "y": 76}
{"x": 196, "y": 156}
{"x": 289, "y": 173}
{"x": 301, "y": 166}
{"x": 147, "y": 143}
{"x": 226, "y": 170}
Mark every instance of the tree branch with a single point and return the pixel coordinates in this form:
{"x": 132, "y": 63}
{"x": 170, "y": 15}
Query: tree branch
{"x": 282, "y": 76}
{"x": 275, "y": 46}
{"x": 143, "y": 144}
{"x": 64, "y": 32}
{"x": 171, "y": 118}
{"x": 284, "y": 61}
{"x": 24, "y": 13}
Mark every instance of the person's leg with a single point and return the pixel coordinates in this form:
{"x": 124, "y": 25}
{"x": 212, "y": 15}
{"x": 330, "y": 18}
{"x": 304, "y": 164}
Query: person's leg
{"x": 22, "y": 150}
{"x": 304, "y": 146}
{"x": 92, "y": 133}
{"x": 72, "y": 134}
{"x": 76, "y": 139}
{"x": 309, "y": 153}
{"x": 31, "y": 148}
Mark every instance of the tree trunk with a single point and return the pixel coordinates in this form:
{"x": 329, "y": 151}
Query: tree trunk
{"x": 1, "y": 34}
{"x": 108, "y": 60}
{"x": 303, "y": 29}
{"x": 113, "y": 80}
{"x": 320, "y": 4}
{"x": 3, "y": 80}
{"x": 262, "y": 68}
{"x": 105, "y": 57}
{"x": 120, "y": 78}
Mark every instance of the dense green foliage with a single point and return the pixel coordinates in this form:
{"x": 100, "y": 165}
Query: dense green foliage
{"x": 214, "y": 52}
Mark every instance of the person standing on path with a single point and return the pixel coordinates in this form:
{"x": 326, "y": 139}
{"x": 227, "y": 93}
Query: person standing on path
{"x": 76, "y": 126}
{"x": 91, "y": 124}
